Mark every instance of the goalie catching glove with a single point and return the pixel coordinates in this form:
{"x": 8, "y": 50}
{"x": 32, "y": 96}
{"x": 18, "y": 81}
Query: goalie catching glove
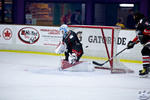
{"x": 72, "y": 58}
{"x": 61, "y": 48}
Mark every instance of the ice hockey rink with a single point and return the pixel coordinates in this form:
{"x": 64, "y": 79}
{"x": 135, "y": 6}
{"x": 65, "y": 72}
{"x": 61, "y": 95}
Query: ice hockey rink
{"x": 25, "y": 76}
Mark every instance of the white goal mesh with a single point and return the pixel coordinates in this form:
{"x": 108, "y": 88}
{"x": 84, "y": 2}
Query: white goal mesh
{"x": 101, "y": 42}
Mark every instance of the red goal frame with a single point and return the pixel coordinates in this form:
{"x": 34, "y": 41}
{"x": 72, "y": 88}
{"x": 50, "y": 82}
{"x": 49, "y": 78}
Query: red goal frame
{"x": 112, "y": 45}
{"x": 111, "y": 54}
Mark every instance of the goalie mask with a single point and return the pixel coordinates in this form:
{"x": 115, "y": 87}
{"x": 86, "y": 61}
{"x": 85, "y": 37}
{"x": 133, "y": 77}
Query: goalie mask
{"x": 64, "y": 29}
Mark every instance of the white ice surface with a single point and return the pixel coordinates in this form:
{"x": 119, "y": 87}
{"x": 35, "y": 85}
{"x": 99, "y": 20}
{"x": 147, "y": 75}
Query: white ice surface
{"x": 35, "y": 77}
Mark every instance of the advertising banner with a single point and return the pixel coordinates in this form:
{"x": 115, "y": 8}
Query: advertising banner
{"x": 46, "y": 39}
{"x": 29, "y": 35}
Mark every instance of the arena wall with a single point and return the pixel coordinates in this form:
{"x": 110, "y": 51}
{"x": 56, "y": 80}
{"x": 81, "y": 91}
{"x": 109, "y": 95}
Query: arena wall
{"x": 46, "y": 39}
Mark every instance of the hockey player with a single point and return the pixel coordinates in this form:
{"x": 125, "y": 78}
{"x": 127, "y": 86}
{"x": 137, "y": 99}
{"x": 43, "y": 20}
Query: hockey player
{"x": 143, "y": 36}
{"x": 74, "y": 50}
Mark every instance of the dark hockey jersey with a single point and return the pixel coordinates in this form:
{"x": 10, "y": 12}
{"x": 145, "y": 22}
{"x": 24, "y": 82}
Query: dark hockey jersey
{"x": 143, "y": 31}
{"x": 73, "y": 43}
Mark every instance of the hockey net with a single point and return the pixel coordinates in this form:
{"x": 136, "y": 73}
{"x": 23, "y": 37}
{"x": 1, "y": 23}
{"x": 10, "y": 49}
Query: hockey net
{"x": 101, "y": 42}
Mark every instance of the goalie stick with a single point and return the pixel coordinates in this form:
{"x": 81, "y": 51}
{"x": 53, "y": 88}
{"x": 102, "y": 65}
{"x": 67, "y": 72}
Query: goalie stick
{"x": 101, "y": 64}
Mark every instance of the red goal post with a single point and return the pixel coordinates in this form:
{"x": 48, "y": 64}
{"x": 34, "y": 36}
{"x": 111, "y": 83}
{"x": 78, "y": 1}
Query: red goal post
{"x": 101, "y": 42}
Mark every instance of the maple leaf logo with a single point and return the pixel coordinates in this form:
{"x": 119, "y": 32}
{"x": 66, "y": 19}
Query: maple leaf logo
{"x": 7, "y": 34}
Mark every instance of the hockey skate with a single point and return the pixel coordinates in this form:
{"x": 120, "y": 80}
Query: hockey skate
{"x": 144, "y": 72}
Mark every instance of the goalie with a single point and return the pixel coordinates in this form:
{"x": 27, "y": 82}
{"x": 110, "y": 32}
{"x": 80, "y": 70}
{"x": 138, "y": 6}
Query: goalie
{"x": 70, "y": 45}
{"x": 143, "y": 36}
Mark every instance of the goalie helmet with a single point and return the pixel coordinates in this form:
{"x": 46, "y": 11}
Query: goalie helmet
{"x": 64, "y": 29}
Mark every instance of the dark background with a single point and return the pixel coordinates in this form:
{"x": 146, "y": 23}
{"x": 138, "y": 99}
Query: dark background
{"x": 93, "y": 12}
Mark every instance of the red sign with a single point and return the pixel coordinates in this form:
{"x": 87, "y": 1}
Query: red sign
{"x": 28, "y": 35}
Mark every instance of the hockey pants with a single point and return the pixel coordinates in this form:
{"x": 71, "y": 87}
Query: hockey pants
{"x": 146, "y": 55}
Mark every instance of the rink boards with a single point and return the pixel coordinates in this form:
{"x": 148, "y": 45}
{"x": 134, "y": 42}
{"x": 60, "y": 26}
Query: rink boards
{"x": 44, "y": 39}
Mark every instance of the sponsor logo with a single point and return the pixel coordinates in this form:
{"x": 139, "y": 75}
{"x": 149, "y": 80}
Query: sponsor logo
{"x": 144, "y": 95}
{"x": 108, "y": 40}
{"x": 50, "y": 31}
{"x": 28, "y": 35}
{"x": 7, "y": 34}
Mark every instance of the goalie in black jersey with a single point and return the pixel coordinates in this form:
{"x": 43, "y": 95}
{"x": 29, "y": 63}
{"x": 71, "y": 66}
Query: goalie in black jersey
{"x": 143, "y": 36}
{"x": 71, "y": 46}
